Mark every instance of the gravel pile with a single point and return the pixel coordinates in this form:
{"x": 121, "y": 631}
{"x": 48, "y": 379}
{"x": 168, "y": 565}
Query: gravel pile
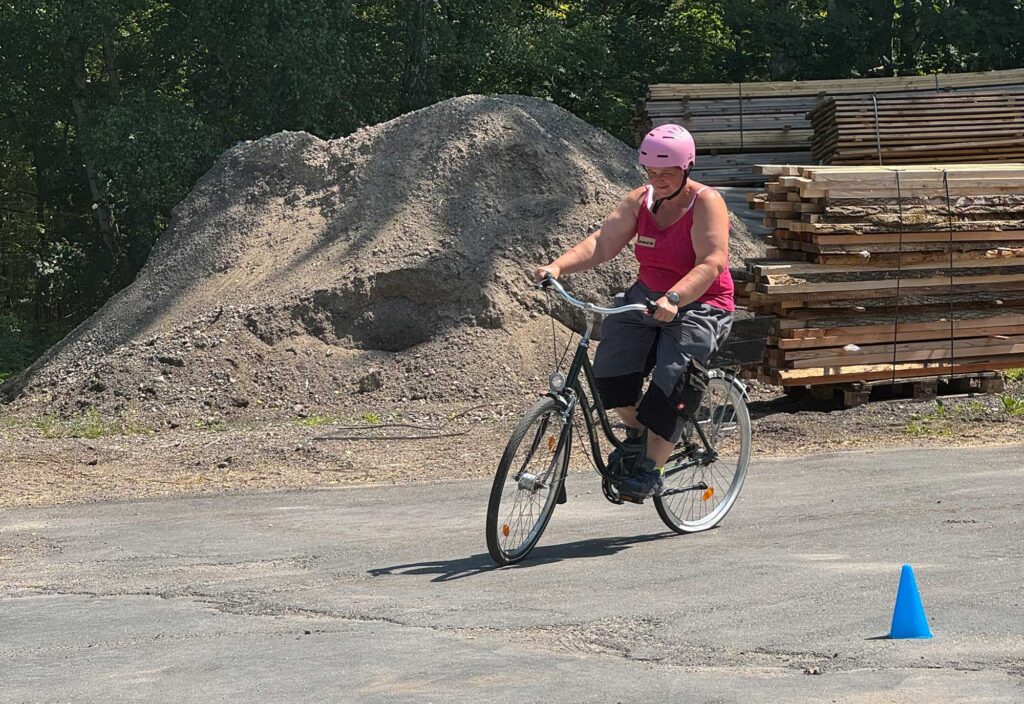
{"x": 303, "y": 275}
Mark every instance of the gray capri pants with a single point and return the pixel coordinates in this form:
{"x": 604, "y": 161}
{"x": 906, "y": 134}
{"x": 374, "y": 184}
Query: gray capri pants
{"x": 632, "y": 344}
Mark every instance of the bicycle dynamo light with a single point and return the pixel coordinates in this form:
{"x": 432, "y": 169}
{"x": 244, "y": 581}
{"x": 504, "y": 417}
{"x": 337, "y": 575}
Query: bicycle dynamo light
{"x": 556, "y": 382}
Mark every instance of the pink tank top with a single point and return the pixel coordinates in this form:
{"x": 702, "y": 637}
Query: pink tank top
{"x": 667, "y": 255}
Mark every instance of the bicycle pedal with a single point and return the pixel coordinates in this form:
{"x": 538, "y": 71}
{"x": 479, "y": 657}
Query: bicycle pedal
{"x": 631, "y": 498}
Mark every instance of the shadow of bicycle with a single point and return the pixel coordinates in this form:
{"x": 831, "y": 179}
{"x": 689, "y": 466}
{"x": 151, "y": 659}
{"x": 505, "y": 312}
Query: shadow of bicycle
{"x": 447, "y": 570}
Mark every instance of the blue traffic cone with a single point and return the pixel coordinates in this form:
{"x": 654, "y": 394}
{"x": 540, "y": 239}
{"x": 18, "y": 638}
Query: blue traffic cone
{"x": 908, "y": 619}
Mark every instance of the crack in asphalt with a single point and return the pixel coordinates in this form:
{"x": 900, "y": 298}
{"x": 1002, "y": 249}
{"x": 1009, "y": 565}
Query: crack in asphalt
{"x": 630, "y": 638}
{"x": 236, "y": 607}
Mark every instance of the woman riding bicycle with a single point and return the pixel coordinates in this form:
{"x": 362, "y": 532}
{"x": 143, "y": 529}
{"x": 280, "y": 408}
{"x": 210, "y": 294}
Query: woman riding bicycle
{"x": 682, "y": 245}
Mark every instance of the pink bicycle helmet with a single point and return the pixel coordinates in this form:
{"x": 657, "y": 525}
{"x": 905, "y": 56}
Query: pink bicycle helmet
{"x": 666, "y": 146}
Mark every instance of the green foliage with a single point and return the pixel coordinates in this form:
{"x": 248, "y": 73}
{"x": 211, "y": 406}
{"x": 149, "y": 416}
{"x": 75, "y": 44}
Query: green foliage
{"x": 149, "y": 151}
{"x": 111, "y": 109}
{"x": 973, "y": 408}
{"x": 1014, "y": 374}
{"x": 315, "y": 421}
{"x": 14, "y": 347}
{"x": 1013, "y": 405}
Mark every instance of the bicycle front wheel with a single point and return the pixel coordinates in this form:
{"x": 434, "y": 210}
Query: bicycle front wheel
{"x": 527, "y": 483}
{"x": 698, "y": 497}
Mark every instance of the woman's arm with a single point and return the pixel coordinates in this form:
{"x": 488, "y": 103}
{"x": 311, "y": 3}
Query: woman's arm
{"x": 602, "y": 244}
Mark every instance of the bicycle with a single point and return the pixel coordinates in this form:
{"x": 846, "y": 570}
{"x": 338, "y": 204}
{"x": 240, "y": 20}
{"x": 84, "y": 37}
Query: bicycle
{"x": 700, "y": 488}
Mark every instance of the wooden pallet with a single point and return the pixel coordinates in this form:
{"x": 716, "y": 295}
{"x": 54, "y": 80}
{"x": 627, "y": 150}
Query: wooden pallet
{"x": 853, "y": 394}
{"x": 768, "y": 123}
{"x": 950, "y": 128}
{"x": 888, "y": 286}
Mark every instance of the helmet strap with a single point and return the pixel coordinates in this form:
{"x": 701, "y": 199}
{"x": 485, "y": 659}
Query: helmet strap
{"x": 657, "y": 203}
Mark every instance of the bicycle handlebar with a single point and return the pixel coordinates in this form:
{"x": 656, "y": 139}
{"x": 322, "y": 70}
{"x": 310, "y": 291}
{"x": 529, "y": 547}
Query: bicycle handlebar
{"x": 550, "y": 282}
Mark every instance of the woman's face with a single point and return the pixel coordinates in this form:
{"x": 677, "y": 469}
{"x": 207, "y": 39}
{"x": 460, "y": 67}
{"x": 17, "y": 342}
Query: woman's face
{"x": 666, "y": 181}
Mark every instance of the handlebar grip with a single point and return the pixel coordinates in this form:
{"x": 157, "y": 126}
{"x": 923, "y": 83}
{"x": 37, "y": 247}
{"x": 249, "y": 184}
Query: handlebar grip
{"x": 544, "y": 282}
{"x": 651, "y": 305}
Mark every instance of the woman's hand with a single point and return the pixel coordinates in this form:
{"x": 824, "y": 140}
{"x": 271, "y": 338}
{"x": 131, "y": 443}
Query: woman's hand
{"x": 665, "y": 311}
{"x": 550, "y": 269}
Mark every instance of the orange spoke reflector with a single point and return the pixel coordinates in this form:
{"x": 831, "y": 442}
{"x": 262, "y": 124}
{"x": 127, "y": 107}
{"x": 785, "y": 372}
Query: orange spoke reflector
{"x": 708, "y": 493}
{"x": 551, "y": 443}
{"x": 504, "y": 529}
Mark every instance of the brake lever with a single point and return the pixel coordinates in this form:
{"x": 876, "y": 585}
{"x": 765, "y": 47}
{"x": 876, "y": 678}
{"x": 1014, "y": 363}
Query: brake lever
{"x": 543, "y": 283}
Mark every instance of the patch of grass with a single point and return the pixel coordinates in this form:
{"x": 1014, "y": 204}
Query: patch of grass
{"x": 1014, "y": 374}
{"x": 91, "y": 425}
{"x": 927, "y": 427}
{"x": 1013, "y": 405}
{"x": 973, "y": 407}
{"x": 970, "y": 410}
{"x": 931, "y": 424}
{"x": 372, "y": 418}
{"x": 315, "y": 421}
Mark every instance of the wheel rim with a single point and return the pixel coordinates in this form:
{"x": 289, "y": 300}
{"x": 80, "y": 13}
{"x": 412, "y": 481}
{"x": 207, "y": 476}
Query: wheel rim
{"x": 531, "y": 485}
{"x": 725, "y": 421}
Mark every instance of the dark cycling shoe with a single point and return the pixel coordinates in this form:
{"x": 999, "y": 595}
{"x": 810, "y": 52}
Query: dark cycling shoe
{"x": 622, "y": 464}
{"x": 645, "y": 482}
{"x": 626, "y": 460}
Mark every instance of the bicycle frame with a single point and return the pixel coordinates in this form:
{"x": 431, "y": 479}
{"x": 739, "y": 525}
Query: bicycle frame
{"x": 572, "y": 394}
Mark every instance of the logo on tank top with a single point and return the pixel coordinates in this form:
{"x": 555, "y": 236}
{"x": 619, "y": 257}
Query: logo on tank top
{"x": 642, "y": 241}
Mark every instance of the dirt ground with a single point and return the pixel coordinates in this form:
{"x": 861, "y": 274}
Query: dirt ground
{"x": 416, "y": 441}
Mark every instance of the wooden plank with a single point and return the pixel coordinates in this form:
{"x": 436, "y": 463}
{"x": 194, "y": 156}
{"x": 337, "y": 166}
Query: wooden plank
{"x": 824, "y": 272}
{"x": 891, "y": 225}
{"x": 869, "y": 372}
{"x": 906, "y": 258}
{"x": 956, "y": 344}
{"x": 884, "y": 295}
{"x": 905, "y": 283}
{"x": 835, "y": 86}
{"x": 894, "y": 333}
{"x": 936, "y": 353}
{"x": 930, "y": 237}
{"x": 806, "y": 319}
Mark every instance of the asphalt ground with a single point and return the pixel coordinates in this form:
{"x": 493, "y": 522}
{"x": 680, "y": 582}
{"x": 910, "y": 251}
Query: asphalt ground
{"x": 386, "y": 593}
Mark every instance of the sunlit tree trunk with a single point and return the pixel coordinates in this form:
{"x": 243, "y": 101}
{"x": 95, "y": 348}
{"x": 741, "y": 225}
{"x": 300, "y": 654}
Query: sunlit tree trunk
{"x": 102, "y": 212}
{"x": 110, "y": 67}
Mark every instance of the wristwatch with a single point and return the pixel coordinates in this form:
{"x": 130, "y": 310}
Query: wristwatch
{"x": 672, "y": 297}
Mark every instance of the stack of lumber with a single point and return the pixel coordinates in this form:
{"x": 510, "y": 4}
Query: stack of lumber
{"x": 738, "y": 125}
{"x": 878, "y": 275}
{"x": 920, "y": 129}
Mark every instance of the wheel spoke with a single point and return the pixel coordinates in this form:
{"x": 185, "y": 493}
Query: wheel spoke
{"x": 536, "y": 454}
{"x": 725, "y": 423}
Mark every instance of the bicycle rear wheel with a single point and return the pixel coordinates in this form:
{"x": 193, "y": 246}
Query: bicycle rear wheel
{"x": 527, "y": 484}
{"x": 697, "y": 498}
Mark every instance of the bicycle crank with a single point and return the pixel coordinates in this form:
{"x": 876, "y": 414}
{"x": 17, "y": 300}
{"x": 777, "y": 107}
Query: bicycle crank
{"x": 611, "y": 492}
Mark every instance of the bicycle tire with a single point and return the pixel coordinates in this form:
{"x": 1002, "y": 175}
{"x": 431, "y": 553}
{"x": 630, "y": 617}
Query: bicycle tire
{"x": 726, "y": 422}
{"x": 521, "y": 501}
